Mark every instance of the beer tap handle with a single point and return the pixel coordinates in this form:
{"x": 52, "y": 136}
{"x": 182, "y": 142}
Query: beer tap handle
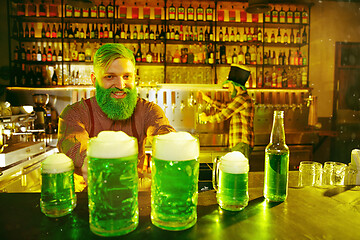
{"x": 173, "y": 100}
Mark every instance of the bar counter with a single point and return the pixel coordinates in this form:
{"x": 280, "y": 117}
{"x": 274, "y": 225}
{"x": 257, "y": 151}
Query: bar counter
{"x": 308, "y": 213}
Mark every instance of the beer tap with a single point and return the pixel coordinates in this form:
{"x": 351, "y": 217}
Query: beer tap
{"x": 173, "y": 101}
{"x": 182, "y": 105}
{"x": 165, "y": 101}
{"x": 191, "y": 100}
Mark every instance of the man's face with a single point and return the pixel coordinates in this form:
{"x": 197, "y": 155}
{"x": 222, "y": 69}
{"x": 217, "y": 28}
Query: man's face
{"x": 115, "y": 89}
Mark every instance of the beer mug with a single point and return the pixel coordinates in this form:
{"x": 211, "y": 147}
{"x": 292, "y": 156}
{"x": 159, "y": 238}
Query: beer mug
{"x": 58, "y": 196}
{"x": 175, "y": 174}
{"x": 230, "y": 180}
{"x": 112, "y": 183}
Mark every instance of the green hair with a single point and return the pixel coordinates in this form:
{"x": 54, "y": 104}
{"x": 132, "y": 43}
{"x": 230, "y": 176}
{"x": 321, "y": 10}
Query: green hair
{"x": 107, "y": 53}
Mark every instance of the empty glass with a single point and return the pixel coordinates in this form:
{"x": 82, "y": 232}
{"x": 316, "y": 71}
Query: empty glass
{"x": 310, "y": 173}
{"x": 334, "y": 173}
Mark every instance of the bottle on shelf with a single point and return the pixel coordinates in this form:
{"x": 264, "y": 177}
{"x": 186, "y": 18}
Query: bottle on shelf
{"x": 102, "y": 10}
{"x": 77, "y": 11}
{"x": 31, "y": 9}
{"x": 289, "y": 16}
{"x": 54, "y": 78}
{"x": 304, "y": 36}
{"x": 32, "y": 31}
{"x": 49, "y": 54}
{"x": 123, "y": 11}
{"x": 157, "y": 12}
{"x": 85, "y": 12}
{"x": 42, "y": 9}
{"x": 135, "y": 33}
{"x": 232, "y": 14}
{"x": 267, "y": 16}
{"x": 200, "y": 13}
{"x": 297, "y": 16}
{"x": 209, "y": 13}
{"x": 94, "y": 11}
{"x": 110, "y": 10}
{"x": 81, "y": 54}
{"x": 304, "y": 16}
{"x": 221, "y": 14}
{"x": 278, "y": 37}
{"x": 149, "y": 55}
{"x": 247, "y": 56}
{"x": 190, "y": 13}
{"x": 138, "y": 54}
{"x": 172, "y": 12}
{"x": 68, "y": 10}
{"x": 88, "y": 53}
{"x": 181, "y": 13}
{"x": 282, "y": 16}
{"x": 274, "y": 15}
{"x": 27, "y": 31}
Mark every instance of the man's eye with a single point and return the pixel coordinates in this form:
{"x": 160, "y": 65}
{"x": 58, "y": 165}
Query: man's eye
{"x": 109, "y": 77}
{"x": 127, "y": 77}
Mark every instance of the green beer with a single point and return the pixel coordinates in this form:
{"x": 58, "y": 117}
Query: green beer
{"x": 58, "y": 196}
{"x": 113, "y": 184}
{"x": 232, "y": 187}
{"x": 276, "y": 162}
{"x": 175, "y": 174}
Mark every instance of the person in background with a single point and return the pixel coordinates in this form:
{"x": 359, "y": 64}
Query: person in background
{"x": 115, "y": 107}
{"x": 240, "y": 110}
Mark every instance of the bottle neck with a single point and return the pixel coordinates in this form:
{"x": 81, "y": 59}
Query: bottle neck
{"x": 278, "y": 130}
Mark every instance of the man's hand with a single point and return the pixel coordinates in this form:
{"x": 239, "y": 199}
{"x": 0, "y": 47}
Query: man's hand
{"x": 84, "y": 169}
{"x": 204, "y": 97}
{"x": 203, "y": 118}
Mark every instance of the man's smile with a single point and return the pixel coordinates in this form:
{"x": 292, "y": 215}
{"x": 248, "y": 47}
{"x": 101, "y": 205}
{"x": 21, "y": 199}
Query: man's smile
{"x": 118, "y": 94}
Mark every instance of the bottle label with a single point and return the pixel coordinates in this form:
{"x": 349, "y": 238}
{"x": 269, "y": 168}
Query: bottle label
{"x": 157, "y": 13}
{"x": 85, "y": 12}
{"x": 146, "y": 13}
{"x": 209, "y": 14}
{"x": 282, "y": 17}
{"x": 110, "y": 11}
{"x": 267, "y": 17}
{"x": 297, "y": 17}
{"x": 289, "y": 17}
{"x": 171, "y": 13}
{"x": 123, "y": 11}
{"x": 77, "y": 12}
{"x": 68, "y": 11}
{"x": 93, "y": 12}
{"x": 102, "y": 11}
{"x": 200, "y": 14}
{"x": 181, "y": 14}
{"x": 190, "y": 14}
{"x": 232, "y": 16}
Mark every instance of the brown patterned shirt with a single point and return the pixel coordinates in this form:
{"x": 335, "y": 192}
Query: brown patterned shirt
{"x": 75, "y": 127}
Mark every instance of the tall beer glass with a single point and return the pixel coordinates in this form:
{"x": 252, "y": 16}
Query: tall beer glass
{"x": 112, "y": 183}
{"x": 58, "y": 196}
{"x": 230, "y": 180}
{"x": 175, "y": 174}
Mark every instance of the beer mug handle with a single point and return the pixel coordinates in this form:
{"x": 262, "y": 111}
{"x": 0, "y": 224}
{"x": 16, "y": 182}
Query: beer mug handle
{"x": 215, "y": 173}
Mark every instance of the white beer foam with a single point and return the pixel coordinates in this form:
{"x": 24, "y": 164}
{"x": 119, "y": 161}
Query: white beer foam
{"x": 57, "y": 163}
{"x": 234, "y": 162}
{"x": 176, "y": 146}
{"x": 112, "y": 144}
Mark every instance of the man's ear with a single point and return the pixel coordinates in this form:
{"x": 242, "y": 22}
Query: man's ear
{"x": 93, "y": 79}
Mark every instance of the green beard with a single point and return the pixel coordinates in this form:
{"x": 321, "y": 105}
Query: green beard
{"x": 116, "y": 109}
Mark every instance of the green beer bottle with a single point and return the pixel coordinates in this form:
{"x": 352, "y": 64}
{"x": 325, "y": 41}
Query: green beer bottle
{"x": 276, "y": 162}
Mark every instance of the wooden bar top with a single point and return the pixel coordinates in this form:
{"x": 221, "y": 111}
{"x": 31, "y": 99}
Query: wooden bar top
{"x": 308, "y": 213}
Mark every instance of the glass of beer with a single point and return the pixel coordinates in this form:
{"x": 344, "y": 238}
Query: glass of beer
{"x": 58, "y": 196}
{"x": 112, "y": 183}
{"x": 230, "y": 180}
{"x": 175, "y": 174}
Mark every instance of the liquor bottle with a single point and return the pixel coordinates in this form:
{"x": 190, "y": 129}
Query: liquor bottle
{"x": 54, "y": 56}
{"x": 253, "y": 57}
{"x": 31, "y": 9}
{"x": 122, "y": 11}
{"x": 249, "y": 35}
{"x": 245, "y": 38}
{"x": 33, "y": 54}
{"x": 151, "y": 33}
{"x": 232, "y": 36}
{"x": 59, "y": 57}
{"x": 221, "y": 36}
{"x": 278, "y": 37}
{"x": 177, "y": 34}
{"x": 289, "y": 16}
{"x": 172, "y": 33}
{"x": 38, "y": 54}
{"x": 209, "y": 13}
{"x": 292, "y": 36}
{"x": 141, "y": 33}
{"x": 85, "y": 12}
{"x": 106, "y": 32}
{"x": 74, "y": 52}
{"x": 255, "y": 35}
{"x": 146, "y": 11}
{"x": 70, "y": 33}
{"x": 232, "y": 14}
{"x": 87, "y": 34}
{"x": 157, "y": 12}
{"x": 297, "y": 16}
{"x": 54, "y": 32}
{"x": 94, "y": 11}
{"x": 102, "y": 10}
{"x": 234, "y": 57}
{"x": 149, "y": 55}
{"x": 30, "y": 77}
{"x": 22, "y": 78}
{"x": 157, "y": 33}
{"x": 53, "y": 9}
{"x": 77, "y": 11}
{"x": 27, "y": 31}
{"x": 200, "y": 13}
{"x": 68, "y": 10}
{"x": 304, "y": 36}
{"x": 43, "y": 55}
{"x": 247, "y": 56}
{"x": 42, "y": 9}
{"x": 275, "y": 16}
{"x": 259, "y": 35}
{"x": 190, "y": 13}
{"x": 286, "y": 38}
{"x": 272, "y": 38}
{"x": 39, "y": 79}
{"x": 32, "y": 31}
{"x": 28, "y": 54}
{"x": 81, "y": 54}
{"x": 88, "y": 52}
{"x": 304, "y": 17}
{"x": 298, "y": 38}
{"x": 181, "y": 12}
{"x": 20, "y": 9}
{"x": 172, "y": 12}
{"x": 162, "y": 35}
{"x": 110, "y": 10}
{"x": 54, "y": 78}
{"x": 96, "y": 32}
{"x": 48, "y": 32}
{"x": 282, "y": 16}
{"x": 128, "y": 33}
{"x": 284, "y": 83}
{"x": 226, "y": 37}
{"x": 241, "y": 56}
{"x": 49, "y": 54}
{"x": 181, "y": 33}
{"x": 211, "y": 34}
{"x": 195, "y": 34}
{"x": 119, "y": 31}
{"x": 59, "y": 32}
{"x": 22, "y": 53}
{"x": 238, "y": 36}
{"x": 21, "y": 31}
{"x": 276, "y": 162}
{"x": 138, "y": 55}
{"x": 221, "y": 14}
{"x": 135, "y": 33}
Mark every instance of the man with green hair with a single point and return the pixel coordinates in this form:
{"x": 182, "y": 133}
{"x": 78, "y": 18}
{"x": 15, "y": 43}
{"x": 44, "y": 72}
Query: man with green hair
{"x": 240, "y": 110}
{"x": 114, "y": 107}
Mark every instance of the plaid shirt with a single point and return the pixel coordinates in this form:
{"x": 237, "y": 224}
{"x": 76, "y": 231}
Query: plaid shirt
{"x": 241, "y": 112}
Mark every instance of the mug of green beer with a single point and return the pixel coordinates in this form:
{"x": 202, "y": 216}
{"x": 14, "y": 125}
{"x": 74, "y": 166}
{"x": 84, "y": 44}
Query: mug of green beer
{"x": 230, "y": 180}
{"x": 175, "y": 174}
{"x": 58, "y": 196}
{"x": 112, "y": 183}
